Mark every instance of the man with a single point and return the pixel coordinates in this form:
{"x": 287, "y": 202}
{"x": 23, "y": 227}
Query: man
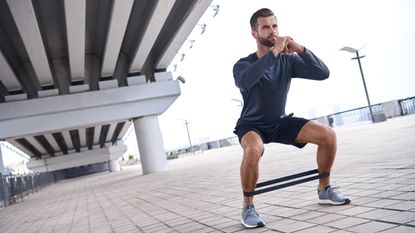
{"x": 264, "y": 79}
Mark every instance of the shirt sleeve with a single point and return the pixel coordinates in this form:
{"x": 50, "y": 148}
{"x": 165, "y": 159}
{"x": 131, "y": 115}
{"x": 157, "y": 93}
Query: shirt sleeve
{"x": 247, "y": 73}
{"x": 309, "y": 66}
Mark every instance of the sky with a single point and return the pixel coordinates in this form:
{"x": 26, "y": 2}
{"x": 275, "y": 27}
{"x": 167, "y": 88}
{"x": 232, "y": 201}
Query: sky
{"x": 383, "y": 30}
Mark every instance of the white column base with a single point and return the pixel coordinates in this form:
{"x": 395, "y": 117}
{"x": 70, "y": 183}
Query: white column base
{"x": 114, "y": 165}
{"x": 150, "y": 144}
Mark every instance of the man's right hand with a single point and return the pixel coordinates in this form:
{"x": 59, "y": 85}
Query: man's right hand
{"x": 286, "y": 44}
{"x": 280, "y": 45}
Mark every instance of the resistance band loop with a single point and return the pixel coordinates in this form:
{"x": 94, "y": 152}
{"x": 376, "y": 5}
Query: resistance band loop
{"x": 268, "y": 185}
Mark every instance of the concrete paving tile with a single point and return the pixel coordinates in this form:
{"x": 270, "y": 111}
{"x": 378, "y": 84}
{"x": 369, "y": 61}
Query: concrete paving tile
{"x": 177, "y": 221}
{"x": 341, "y": 231}
{"x": 400, "y": 229}
{"x": 364, "y": 200}
{"x": 160, "y": 227}
{"x": 256, "y": 230}
{"x": 292, "y": 213}
{"x": 304, "y": 203}
{"x": 371, "y": 227}
{"x": 316, "y": 207}
{"x": 234, "y": 228}
{"x": 287, "y": 225}
{"x": 126, "y": 228}
{"x": 308, "y": 215}
{"x": 347, "y": 222}
{"x": 217, "y": 220}
{"x": 317, "y": 229}
{"x": 377, "y": 214}
{"x": 382, "y": 203}
{"x": 189, "y": 227}
{"x": 227, "y": 224}
{"x": 280, "y": 211}
{"x": 355, "y": 210}
{"x": 267, "y": 218}
{"x": 406, "y": 195}
{"x": 334, "y": 209}
{"x": 407, "y": 188}
{"x": 388, "y": 194}
{"x": 365, "y": 193}
{"x": 202, "y": 216}
{"x": 103, "y": 229}
{"x": 400, "y": 217}
{"x": 79, "y": 230}
{"x": 326, "y": 218}
{"x": 403, "y": 205}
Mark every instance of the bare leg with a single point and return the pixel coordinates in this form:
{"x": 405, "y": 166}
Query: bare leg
{"x": 253, "y": 148}
{"x": 325, "y": 138}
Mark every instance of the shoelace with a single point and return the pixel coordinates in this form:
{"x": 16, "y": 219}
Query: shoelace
{"x": 334, "y": 187}
{"x": 251, "y": 211}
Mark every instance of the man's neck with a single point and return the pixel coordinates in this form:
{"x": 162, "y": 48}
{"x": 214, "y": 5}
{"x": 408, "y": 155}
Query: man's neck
{"x": 262, "y": 50}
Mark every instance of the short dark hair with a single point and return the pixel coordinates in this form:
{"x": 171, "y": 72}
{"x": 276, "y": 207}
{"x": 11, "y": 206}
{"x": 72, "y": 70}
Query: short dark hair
{"x": 263, "y": 12}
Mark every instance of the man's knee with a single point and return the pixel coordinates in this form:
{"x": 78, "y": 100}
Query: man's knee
{"x": 328, "y": 136}
{"x": 253, "y": 151}
{"x": 253, "y": 146}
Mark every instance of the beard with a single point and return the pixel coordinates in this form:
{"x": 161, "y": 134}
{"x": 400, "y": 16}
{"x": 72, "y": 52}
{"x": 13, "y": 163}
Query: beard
{"x": 266, "y": 42}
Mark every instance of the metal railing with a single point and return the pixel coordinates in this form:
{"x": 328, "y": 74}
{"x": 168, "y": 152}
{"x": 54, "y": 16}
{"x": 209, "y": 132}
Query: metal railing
{"x": 407, "y": 105}
{"x": 15, "y": 188}
{"x": 354, "y": 115}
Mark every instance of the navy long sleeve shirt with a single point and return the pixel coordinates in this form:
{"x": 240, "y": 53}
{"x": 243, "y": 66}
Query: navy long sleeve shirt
{"x": 264, "y": 83}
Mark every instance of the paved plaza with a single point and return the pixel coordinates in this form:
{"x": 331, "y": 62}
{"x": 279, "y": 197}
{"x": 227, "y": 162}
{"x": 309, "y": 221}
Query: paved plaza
{"x": 375, "y": 166}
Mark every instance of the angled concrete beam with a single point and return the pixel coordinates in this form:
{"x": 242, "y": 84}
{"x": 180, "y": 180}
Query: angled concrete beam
{"x": 67, "y": 136}
{"x": 118, "y": 24}
{"x": 97, "y": 132}
{"x": 27, "y": 25}
{"x": 110, "y": 132}
{"x": 7, "y": 76}
{"x": 154, "y": 27}
{"x": 36, "y": 144}
{"x": 20, "y": 147}
{"x": 75, "y": 11}
{"x": 52, "y": 141}
{"x": 82, "y": 137}
{"x": 184, "y": 31}
{"x": 124, "y": 129}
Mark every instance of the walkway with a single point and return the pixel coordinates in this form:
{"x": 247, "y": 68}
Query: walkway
{"x": 375, "y": 165}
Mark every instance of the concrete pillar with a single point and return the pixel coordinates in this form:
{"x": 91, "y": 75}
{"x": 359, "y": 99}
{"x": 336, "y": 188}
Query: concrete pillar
{"x": 150, "y": 144}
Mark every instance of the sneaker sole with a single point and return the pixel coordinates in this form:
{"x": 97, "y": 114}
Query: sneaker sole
{"x": 260, "y": 224}
{"x": 330, "y": 202}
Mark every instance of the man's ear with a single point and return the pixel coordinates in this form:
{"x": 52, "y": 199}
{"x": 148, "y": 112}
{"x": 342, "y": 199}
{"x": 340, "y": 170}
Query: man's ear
{"x": 254, "y": 34}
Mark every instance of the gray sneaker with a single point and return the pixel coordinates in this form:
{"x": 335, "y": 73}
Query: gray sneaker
{"x": 251, "y": 218}
{"x": 330, "y": 196}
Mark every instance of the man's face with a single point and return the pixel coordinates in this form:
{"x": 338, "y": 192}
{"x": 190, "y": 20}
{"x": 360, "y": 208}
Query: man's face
{"x": 267, "y": 31}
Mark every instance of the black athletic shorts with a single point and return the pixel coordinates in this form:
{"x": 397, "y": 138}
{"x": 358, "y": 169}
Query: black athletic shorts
{"x": 284, "y": 131}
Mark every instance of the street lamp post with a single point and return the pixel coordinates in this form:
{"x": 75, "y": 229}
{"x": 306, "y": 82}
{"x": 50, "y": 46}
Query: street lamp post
{"x": 353, "y": 50}
{"x": 188, "y": 133}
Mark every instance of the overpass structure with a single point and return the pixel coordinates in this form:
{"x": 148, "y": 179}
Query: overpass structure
{"x": 75, "y": 74}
